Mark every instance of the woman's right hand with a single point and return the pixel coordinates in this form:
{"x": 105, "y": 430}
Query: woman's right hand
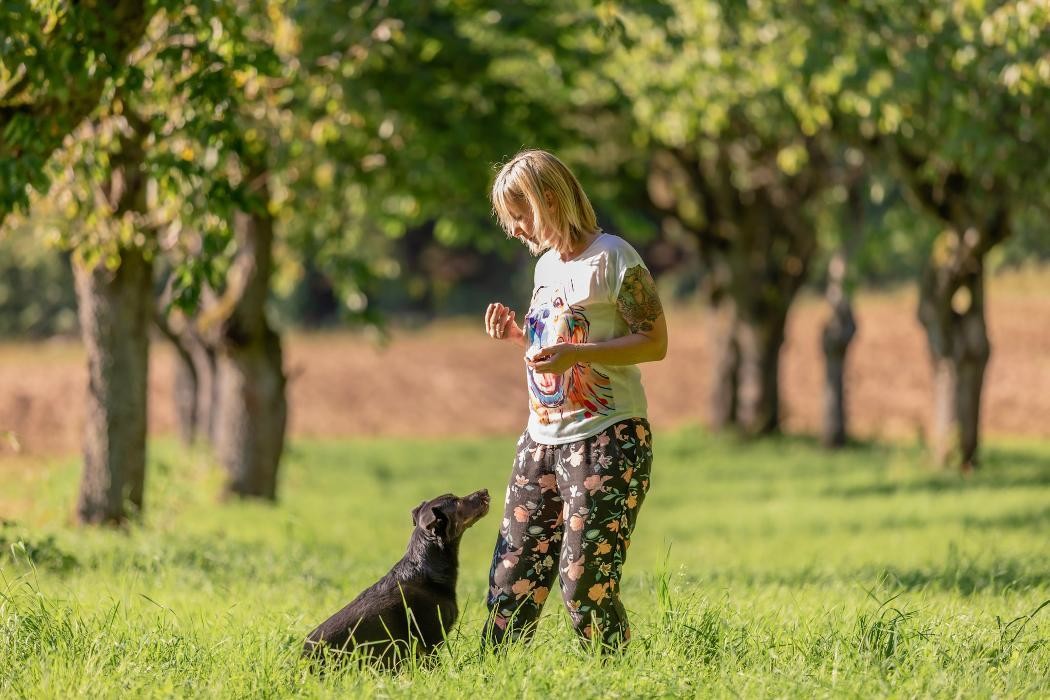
{"x": 500, "y": 324}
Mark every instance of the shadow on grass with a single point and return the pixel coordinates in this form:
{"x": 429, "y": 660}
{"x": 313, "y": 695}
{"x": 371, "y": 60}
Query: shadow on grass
{"x": 1026, "y": 473}
{"x": 956, "y": 576}
{"x": 684, "y": 442}
{"x": 21, "y": 549}
{"x": 966, "y": 579}
{"x": 1037, "y": 519}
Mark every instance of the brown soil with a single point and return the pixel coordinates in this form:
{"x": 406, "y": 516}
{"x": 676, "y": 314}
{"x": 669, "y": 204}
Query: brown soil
{"x": 450, "y": 379}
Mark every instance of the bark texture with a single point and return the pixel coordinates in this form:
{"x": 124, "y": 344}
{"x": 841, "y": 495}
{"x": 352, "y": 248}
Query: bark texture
{"x": 251, "y": 407}
{"x": 951, "y": 310}
{"x": 976, "y": 214}
{"x": 115, "y": 310}
{"x": 725, "y": 367}
{"x": 115, "y": 305}
{"x": 836, "y": 337}
{"x": 195, "y": 387}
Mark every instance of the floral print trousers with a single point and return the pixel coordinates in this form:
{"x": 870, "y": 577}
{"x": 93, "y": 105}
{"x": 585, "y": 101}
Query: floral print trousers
{"x": 570, "y": 510}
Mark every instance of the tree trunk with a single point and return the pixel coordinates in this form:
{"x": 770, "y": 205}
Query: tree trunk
{"x": 186, "y": 382}
{"x": 841, "y": 326}
{"x": 725, "y": 367}
{"x": 745, "y": 372}
{"x": 115, "y": 306}
{"x": 951, "y": 309}
{"x": 755, "y": 243}
{"x": 251, "y": 406}
{"x": 206, "y": 360}
{"x": 758, "y": 396}
{"x": 837, "y": 335}
{"x": 115, "y": 309}
{"x": 251, "y": 415}
{"x": 195, "y": 390}
{"x": 767, "y": 265}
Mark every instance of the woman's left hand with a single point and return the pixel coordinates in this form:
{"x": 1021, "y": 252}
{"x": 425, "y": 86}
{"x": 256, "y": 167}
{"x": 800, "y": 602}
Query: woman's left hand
{"x": 554, "y": 359}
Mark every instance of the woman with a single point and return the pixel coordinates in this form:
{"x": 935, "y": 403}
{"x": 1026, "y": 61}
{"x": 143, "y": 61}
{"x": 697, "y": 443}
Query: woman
{"x": 582, "y": 467}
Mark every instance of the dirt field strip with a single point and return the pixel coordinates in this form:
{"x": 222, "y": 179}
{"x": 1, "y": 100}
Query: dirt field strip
{"x": 450, "y": 379}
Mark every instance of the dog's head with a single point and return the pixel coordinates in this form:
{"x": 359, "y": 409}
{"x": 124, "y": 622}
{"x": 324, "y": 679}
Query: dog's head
{"x": 447, "y": 517}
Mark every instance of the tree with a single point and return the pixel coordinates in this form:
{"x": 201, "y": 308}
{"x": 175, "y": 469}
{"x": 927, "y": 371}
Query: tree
{"x": 251, "y": 407}
{"x": 738, "y": 156}
{"x": 951, "y": 94}
{"x": 151, "y": 154}
{"x": 56, "y": 62}
{"x": 841, "y": 325}
{"x": 114, "y": 303}
{"x": 195, "y": 369}
{"x": 338, "y": 165}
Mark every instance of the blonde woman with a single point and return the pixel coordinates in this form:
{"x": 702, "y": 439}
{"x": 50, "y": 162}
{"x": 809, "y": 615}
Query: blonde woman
{"x": 582, "y": 467}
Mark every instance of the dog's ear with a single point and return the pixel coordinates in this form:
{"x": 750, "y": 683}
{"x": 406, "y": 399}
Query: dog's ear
{"x": 415, "y": 513}
{"x": 435, "y": 520}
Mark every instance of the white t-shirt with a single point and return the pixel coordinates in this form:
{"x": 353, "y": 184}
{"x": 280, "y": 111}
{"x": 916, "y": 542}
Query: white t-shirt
{"x": 575, "y": 301}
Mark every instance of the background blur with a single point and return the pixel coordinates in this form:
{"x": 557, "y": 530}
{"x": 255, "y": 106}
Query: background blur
{"x": 245, "y": 252}
{"x": 283, "y": 206}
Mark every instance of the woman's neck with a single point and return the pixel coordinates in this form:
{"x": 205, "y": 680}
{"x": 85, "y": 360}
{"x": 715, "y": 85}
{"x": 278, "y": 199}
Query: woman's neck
{"x": 584, "y": 243}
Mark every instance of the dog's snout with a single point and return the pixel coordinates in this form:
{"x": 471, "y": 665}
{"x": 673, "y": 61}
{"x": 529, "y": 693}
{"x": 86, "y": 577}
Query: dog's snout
{"x": 476, "y": 505}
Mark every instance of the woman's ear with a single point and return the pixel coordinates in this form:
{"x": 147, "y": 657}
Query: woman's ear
{"x": 550, "y": 199}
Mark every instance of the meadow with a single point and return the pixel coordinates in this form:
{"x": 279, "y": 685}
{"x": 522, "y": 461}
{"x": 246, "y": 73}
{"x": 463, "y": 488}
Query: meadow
{"x": 768, "y": 569}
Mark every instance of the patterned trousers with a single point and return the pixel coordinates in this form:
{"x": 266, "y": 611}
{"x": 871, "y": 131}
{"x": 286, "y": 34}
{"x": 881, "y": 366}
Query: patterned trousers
{"x": 570, "y": 510}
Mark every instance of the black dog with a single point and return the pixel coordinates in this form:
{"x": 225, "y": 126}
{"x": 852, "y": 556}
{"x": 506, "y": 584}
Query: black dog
{"x": 411, "y": 609}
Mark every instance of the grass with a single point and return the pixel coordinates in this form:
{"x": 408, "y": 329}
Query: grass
{"x": 773, "y": 569}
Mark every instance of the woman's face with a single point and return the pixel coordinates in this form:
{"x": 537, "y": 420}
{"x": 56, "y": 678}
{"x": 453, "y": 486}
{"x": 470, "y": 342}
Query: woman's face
{"x": 521, "y": 213}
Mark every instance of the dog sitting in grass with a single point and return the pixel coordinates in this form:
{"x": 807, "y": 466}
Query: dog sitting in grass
{"x": 410, "y": 610}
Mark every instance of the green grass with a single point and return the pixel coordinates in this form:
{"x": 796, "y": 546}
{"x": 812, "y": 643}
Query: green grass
{"x": 774, "y": 569}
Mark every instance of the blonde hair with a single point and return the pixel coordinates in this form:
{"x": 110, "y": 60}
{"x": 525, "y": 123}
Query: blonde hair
{"x": 562, "y": 216}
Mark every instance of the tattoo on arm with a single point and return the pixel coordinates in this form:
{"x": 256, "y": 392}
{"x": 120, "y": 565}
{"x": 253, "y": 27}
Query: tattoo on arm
{"x": 638, "y": 302}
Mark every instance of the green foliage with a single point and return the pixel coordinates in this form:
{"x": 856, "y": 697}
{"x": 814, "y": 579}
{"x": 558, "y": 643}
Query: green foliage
{"x": 175, "y": 118}
{"x": 1030, "y": 242}
{"x": 177, "y": 105}
{"x": 36, "y": 286}
{"x": 371, "y": 121}
{"x": 400, "y": 118}
{"x": 219, "y": 93}
{"x": 774, "y": 569}
{"x": 738, "y": 157}
{"x": 56, "y": 58}
{"x": 953, "y": 92}
{"x": 894, "y": 239}
{"x": 716, "y": 70}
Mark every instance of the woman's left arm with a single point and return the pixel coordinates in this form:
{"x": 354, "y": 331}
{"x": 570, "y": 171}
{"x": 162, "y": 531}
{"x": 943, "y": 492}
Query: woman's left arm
{"x": 640, "y": 307}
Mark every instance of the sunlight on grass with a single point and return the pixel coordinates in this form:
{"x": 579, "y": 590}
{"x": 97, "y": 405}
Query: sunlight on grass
{"x": 756, "y": 570}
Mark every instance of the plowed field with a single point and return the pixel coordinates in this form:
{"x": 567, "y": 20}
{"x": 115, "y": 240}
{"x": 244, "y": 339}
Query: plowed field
{"x": 450, "y": 379}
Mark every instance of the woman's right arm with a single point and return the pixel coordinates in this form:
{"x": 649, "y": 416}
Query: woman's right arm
{"x": 500, "y": 324}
